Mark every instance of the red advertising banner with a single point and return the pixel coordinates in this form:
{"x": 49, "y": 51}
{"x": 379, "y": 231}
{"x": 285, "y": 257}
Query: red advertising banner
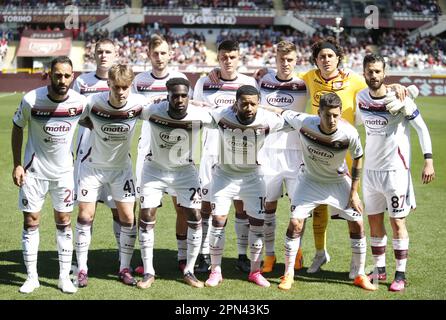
{"x": 429, "y": 86}
{"x": 44, "y": 44}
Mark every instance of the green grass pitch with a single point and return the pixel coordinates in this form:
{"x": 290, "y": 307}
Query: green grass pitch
{"x": 426, "y": 275}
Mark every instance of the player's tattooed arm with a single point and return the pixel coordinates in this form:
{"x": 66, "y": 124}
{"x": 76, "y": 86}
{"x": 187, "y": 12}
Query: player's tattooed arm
{"x": 86, "y": 122}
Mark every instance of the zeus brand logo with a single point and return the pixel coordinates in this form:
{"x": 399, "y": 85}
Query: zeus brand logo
{"x": 281, "y": 99}
{"x": 115, "y": 128}
{"x": 320, "y": 153}
{"x": 57, "y": 128}
{"x": 376, "y": 122}
{"x": 224, "y": 100}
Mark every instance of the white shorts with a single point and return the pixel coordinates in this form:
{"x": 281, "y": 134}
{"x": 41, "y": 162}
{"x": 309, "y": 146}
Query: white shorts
{"x": 184, "y": 182}
{"x": 280, "y": 166}
{"x": 309, "y": 194}
{"x": 121, "y": 184}
{"x": 140, "y": 159}
{"x": 82, "y": 149}
{"x": 388, "y": 190}
{"x": 248, "y": 188}
{"x": 32, "y": 193}
{"x": 207, "y": 163}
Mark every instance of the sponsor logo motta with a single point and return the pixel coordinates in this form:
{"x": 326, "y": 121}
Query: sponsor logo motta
{"x": 279, "y": 99}
{"x": 241, "y": 144}
{"x": 173, "y": 137}
{"x": 320, "y": 153}
{"x": 224, "y": 100}
{"x": 115, "y": 128}
{"x": 57, "y": 128}
{"x": 375, "y": 122}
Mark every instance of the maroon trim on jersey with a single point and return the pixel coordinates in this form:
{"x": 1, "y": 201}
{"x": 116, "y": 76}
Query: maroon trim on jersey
{"x": 175, "y": 124}
{"x": 402, "y": 158}
{"x": 289, "y": 86}
{"x": 90, "y": 90}
{"x": 207, "y": 86}
{"x": 30, "y": 162}
{"x": 259, "y": 129}
{"x": 324, "y": 140}
{"x": 147, "y": 87}
{"x": 105, "y": 114}
{"x": 378, "y": 107}
{"x": 159, "y": 78}
{"x": 86, "y": 156}
{"x": 46, "y": 112}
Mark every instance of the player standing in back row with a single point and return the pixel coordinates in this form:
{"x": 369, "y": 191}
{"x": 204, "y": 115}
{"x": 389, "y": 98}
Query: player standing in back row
{"x": 152, "y": 84}
{"x": 221, "y": 94}
{"x": 387, "y": 182}
{"x": 105, "y": 55}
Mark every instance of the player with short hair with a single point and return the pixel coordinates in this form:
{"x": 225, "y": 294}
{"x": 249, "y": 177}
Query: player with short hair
{"x": 105, "y": 55}
{"x": 113, "y": 116}
{"x": 221, "y": 93}
{"x": 52, "y": 113}
{"x": 174, "y": 130}
{"x": 324, "y": 179}
{"x": 242, "y": 130}
{"x": 152, "y": 84}
{"x": 281, "y": 154}
{"x": 387, "y": 182}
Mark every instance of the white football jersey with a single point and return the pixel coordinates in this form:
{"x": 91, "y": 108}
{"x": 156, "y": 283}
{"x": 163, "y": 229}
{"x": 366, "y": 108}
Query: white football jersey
{"x": 324, "y": 154}
{"x": 288, "y": 94}
{"x": 87, "y": 84}
{"x": 387, "y": 144}
{"x": 239, "y": 143}
{"x": 154, "y": 89}
{"x": 113, "y": 130}
{"x": 220, "y": 94}
{"x": 173, "y": 141}
{"x": 48, "y": 153}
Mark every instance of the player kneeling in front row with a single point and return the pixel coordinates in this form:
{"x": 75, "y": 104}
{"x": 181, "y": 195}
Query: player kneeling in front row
{"x": 387, "y": 183}
{"x": 324, "y": 180}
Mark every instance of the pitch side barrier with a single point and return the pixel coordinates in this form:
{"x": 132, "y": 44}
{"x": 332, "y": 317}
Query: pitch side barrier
{"x": 24, "y": 81}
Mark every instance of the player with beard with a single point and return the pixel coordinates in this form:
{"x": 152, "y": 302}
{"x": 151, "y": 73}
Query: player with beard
{"x": 52, "y": 113}
{"x": 387, "y": 182}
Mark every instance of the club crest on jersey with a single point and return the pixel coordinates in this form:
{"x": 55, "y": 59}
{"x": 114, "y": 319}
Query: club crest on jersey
{"x": 72, "y": 111}
{"x": 84, "y": 192}
{"x": 336, "y": 85}
{"x": 25, "y": 202}
{"x": 204, "y": 191}
{"x": 131, "y": 113}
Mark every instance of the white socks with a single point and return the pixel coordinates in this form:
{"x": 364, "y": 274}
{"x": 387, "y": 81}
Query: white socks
{"x": 30, "y": 247}
{"x": 82, "y": 240}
